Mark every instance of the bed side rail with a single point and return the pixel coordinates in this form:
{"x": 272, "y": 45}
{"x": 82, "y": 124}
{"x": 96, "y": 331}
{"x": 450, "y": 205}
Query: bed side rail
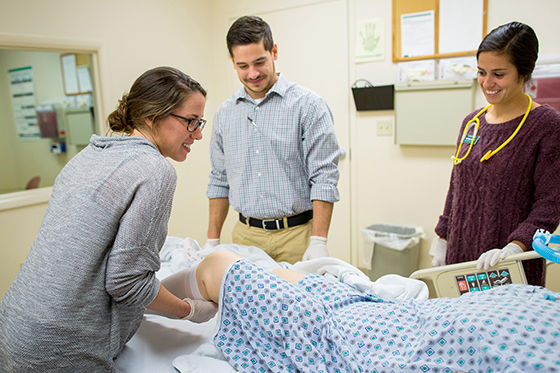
{"x": 456, "y": 279}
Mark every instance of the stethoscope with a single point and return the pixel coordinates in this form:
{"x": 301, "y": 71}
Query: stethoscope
{"x": 476, "y": 123}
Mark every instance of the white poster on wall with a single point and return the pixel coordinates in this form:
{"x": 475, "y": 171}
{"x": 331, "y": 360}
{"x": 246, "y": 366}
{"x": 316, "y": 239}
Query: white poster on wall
{"x": 418, "y": 34}
{"x": 370, "y": 40}
{"x": 23, "y": 103}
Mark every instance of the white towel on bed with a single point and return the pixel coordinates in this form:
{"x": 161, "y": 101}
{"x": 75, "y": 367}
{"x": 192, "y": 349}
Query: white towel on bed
{"x": 394, "y": 288}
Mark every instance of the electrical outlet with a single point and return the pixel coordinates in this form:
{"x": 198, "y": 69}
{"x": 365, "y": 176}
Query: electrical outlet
{"x": 384, "y": 127}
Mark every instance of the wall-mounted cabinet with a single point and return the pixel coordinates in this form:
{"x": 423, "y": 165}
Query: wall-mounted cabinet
{"x": 431, "y": 113}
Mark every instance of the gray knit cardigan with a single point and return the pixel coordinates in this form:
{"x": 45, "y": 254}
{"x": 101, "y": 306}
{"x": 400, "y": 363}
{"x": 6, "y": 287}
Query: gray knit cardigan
{"x": 81, "y": 293}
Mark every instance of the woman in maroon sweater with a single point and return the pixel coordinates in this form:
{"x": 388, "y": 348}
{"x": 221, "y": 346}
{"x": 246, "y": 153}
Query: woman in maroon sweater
{"x": 500, "y": 195}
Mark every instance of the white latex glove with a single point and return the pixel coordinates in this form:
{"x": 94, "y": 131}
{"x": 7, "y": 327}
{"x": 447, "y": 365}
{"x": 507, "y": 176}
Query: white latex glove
{"x": 317, "y": 248}
{"x": 439, "y": 255}
{"x": 491, "y": 257}
{"x": 212, "y": 242}
{"x": 201, "y": 310}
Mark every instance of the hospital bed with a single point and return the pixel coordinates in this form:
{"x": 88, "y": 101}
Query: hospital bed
{"x": 167, "y": 345}
{"x": 163, "y": 345}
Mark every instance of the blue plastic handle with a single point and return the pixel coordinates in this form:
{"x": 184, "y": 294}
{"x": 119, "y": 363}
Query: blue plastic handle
{"x": 540, "y": 241}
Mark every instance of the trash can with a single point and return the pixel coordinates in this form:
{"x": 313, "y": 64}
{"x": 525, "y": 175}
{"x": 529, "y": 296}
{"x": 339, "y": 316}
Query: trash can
{"x": 391, "y": 249}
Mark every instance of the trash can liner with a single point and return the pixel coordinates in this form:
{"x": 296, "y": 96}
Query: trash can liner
{"x": 391, "y": 236}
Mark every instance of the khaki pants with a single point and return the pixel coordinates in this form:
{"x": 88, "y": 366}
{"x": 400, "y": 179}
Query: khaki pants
{"x": 283, "y": 245}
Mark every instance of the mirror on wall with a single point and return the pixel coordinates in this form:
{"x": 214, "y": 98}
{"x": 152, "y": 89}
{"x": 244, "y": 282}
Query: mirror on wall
{"x": 49, "y": 112}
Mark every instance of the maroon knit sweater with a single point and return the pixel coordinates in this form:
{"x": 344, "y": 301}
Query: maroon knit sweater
{"x": 508, "y": 197}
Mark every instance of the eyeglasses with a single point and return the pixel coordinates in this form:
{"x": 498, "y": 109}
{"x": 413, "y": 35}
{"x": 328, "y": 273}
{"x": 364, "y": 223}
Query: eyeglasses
{"x": 192, "y": 123}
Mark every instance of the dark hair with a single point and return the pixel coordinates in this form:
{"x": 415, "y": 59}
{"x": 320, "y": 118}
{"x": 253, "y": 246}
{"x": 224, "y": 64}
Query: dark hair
{"x": 153, "y": 96}
{"x": 248, "y": 30}
{"x": 518, "y": 42}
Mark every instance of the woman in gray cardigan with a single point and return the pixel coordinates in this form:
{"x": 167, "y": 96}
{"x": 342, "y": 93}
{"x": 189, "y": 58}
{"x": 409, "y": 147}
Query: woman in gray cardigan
{"x": 90, "y": 274}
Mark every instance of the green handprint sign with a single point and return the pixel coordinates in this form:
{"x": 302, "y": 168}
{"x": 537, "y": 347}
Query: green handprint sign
{"x": 369, "y": 40}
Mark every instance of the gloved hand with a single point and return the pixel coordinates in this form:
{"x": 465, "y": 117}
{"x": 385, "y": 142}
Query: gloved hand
{"x": 439, "y": 255}
{"x": 212, "y": 242}
{"x": 491, "y": 257}
{"x": 201, "y": 310}
{"x": 317, "y": 248}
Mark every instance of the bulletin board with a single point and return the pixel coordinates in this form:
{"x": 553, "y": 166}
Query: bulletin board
{"x": 454, "y": 21}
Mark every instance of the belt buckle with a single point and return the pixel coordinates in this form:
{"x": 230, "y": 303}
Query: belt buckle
{"x": 270, "y": 221}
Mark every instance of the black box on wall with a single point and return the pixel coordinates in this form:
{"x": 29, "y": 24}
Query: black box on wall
{"x": 374, "y": 98}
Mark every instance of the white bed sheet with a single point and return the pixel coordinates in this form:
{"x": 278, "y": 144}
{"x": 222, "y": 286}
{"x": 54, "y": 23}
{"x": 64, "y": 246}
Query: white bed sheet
{"x": 159, "y": 341}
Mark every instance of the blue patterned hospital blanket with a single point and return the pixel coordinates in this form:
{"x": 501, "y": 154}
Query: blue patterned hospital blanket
{"x": 320, "y": 325}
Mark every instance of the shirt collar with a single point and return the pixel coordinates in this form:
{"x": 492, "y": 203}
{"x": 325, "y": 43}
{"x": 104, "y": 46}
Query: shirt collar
{"x": 280, "y": 87}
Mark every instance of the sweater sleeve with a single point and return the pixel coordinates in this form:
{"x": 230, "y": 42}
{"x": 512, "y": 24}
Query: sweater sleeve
{"x": 545, "y": 211}
{"x": 443, "y": 222}
{"x": 134, "y": 257}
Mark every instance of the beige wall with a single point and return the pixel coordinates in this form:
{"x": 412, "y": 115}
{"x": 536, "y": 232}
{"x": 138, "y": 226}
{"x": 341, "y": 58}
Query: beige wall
{"x": 390, "y": 183}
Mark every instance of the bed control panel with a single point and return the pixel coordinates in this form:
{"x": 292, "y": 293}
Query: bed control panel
{"x": 483, "y": 280}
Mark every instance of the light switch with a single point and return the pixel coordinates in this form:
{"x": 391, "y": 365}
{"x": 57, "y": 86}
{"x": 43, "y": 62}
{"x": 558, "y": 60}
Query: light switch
{"x": 384, "y": 127}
